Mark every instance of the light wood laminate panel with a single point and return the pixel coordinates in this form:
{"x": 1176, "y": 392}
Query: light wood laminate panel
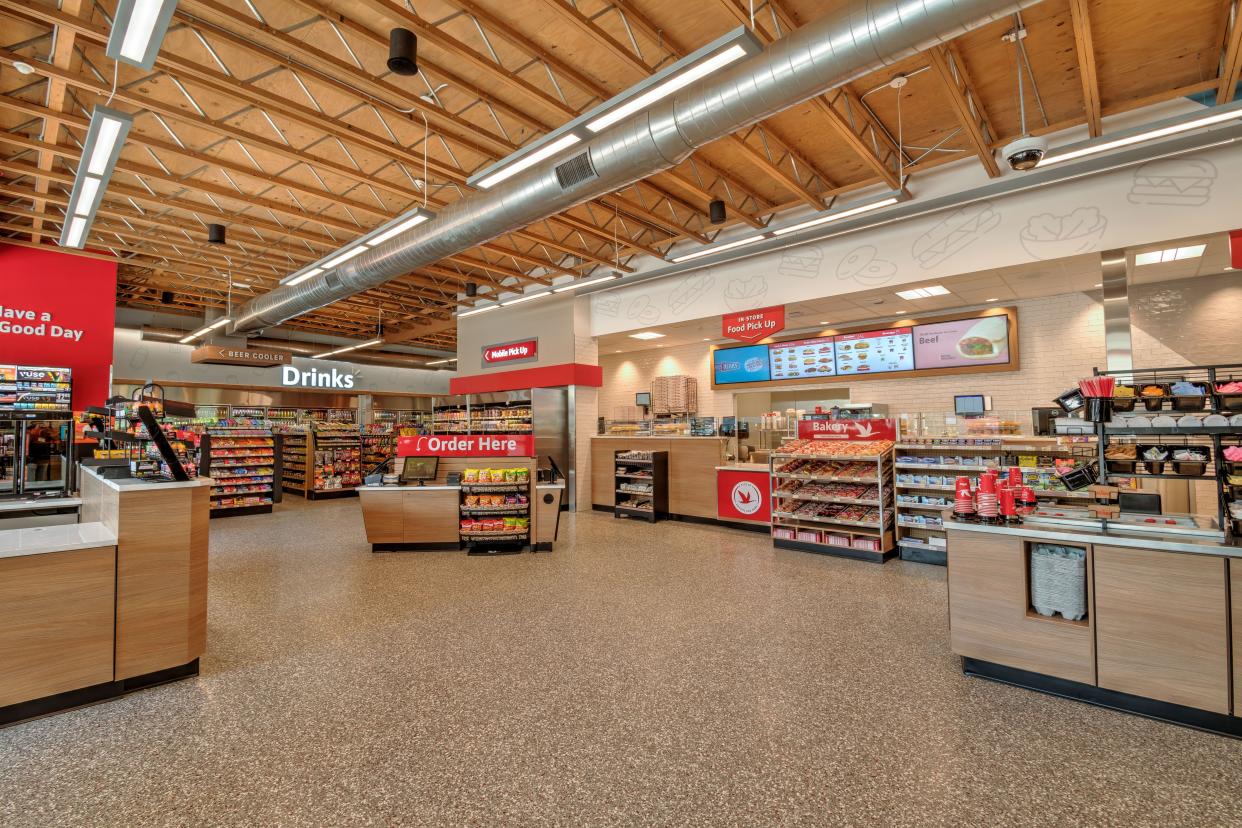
{"x": 988, "y": 618}
{"x": 430, "y": 516}
{"x": 157, "y": 565}
{"x": 56, "y": 622}
{"x": 1235, "y": 591}
{"x": 383, "y": 515}
{"x": 200, "y": 531}
{"x": 1162, "y": 626}
{"x": 692, "y": 476}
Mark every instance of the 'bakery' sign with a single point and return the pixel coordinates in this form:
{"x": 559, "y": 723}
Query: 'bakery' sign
{"x": 752, "y": 326}
{"x": 523, "y": 351}
{"x": 875, "y": 429}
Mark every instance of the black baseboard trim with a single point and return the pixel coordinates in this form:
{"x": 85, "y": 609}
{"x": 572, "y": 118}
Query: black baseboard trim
{"x": 262, "y": 509}
{"x": 761, "y": 528}
{"x": 835, "y": 551}
{"x": 37, "y": 708}
{"x": 1176, "y": 714}
{"x": 915, "y": 554}
{"x": 415, "y": 547}
{"x": 545, "y": 546}
{"x": 328, "y": 495}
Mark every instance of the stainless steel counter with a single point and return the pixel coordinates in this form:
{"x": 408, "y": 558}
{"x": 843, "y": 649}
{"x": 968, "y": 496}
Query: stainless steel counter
{"x": 1110, "y": 537}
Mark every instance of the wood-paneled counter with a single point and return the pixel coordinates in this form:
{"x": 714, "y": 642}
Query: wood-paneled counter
{"x": 1161, "y": 613}
{"x": 427, "y": 517}
{"x": 96, "y": 609}
{"x": 692, "y": 463}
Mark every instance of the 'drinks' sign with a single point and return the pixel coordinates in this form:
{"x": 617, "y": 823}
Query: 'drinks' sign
{"x": 294, "y": 377}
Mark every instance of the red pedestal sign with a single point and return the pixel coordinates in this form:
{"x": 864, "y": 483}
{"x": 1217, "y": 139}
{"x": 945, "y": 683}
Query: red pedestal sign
{"x": 743, "y": 495}
{"x": 462, "y": 445}
{"x": 754, "y": 325}
{"x": 847, "y": 429}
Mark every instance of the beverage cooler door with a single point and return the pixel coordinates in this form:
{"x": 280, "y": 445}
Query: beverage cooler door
{"x": 47, "y": 456}
{"x": 9, "y": 443}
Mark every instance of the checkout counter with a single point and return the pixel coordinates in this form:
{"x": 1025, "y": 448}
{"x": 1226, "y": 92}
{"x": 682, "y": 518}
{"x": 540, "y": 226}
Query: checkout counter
{"x": 444, "y": 509}
{"x": 117, "y": 602}
{"x": 1160, "y": 632}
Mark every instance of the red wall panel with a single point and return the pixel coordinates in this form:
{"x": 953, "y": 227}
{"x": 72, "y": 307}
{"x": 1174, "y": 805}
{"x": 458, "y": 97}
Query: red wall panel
{"x": 59, "y": 310}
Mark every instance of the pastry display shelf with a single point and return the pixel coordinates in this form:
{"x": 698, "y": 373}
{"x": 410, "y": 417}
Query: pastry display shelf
{"x": 822, "y": 478}
{"x": 870, "y": 526}
{"x": 849, "y": 458}
{"x": 857, "y": 501}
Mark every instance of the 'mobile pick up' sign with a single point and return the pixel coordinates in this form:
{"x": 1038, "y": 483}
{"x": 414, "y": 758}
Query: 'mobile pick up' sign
{"x": 523, "y": 351}
{"x": 754, "y": 325}
{"x": 467, "y": 445}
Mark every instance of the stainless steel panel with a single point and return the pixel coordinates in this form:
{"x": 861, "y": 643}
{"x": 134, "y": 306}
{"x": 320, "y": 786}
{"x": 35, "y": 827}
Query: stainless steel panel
{"x": 550, "y": 415}
{"x": 1118, "y": 343}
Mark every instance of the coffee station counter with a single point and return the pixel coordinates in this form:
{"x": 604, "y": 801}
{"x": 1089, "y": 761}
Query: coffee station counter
{"x": 1155, "y": 625}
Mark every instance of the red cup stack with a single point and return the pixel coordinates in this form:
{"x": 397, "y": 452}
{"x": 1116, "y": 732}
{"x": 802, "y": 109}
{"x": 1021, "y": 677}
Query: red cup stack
{"x": 986, "y": 501}
{"x": 963, "y": 500}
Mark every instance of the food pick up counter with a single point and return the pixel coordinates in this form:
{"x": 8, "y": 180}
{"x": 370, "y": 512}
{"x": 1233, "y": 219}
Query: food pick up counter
{"x": 117, "y": 602}
{"x": 1146, "y": 621}
{"x": 496, "y": 507}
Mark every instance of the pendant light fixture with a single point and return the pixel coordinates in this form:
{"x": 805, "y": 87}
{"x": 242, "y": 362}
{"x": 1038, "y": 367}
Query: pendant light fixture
{"x": 402, "y": 52}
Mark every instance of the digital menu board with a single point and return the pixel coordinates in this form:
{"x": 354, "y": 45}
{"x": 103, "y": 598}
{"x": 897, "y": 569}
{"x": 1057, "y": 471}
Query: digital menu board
{"x": 29, "y": 388}
{"x": 875, "y": 352}
{"x": 746, "y": 364}
{"x": 962, "y": 342}
{"x": 803, "y": 358}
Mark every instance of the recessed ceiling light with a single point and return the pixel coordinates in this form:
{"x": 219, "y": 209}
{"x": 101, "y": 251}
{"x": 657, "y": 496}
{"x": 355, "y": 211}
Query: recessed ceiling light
{"x": 647, "y": 335}
{"x": 1171, "y": 254}
{"x": 1098, "y": 284}
{"x": 923, "y": 293}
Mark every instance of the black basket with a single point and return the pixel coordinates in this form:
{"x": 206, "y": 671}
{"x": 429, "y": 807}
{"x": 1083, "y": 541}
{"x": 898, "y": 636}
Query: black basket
{"x": 1081, "y": 477}
{"x": 1190, "y": 468}
{"x": 1124, "y": 403}
{"x": 1156, "y": 403}
{"x": 1194, "y": 402}
{"x": 1228, "y": 402}
{"x": 1099, "y": 409}
{"x": 1121, "y": 466}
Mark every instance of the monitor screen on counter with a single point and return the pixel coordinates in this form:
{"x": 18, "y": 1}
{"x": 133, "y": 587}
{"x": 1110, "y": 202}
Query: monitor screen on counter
{"x": 951, "y": 343}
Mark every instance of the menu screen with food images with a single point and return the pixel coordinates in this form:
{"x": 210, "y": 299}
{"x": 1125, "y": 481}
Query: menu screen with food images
{"x": 962, "y": 342}
{"x": 875, "y": 352}
{"x": 803, "y": 358}
{"x": 746, "y": 364}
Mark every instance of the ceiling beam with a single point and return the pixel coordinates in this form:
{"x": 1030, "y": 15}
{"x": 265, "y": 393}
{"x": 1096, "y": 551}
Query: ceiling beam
{"x": 62, "y": 56}
{"x": 1084, "y": 47}
{"x": 952, "y": 80}
{"x": 1231, "y": 62}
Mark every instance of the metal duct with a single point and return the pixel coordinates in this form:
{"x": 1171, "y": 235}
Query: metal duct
{"x": 309, "y": 349}
{"x": 864, "y": 36}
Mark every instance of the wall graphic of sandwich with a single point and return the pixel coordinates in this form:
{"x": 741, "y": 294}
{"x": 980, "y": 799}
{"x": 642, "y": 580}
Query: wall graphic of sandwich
{"x": 1174, "y": 182}
{"x": 986, "y": 339}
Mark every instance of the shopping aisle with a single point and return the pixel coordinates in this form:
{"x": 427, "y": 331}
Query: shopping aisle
{"x": 678, "y": 675}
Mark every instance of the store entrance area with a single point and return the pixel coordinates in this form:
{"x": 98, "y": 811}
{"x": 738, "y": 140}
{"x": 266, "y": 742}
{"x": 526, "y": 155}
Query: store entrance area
{"x": 706, "y": 679}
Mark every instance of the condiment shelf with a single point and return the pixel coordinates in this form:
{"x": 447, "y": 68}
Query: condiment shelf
{"x": 843, "y": 493}
{"x": 648, "y": 500}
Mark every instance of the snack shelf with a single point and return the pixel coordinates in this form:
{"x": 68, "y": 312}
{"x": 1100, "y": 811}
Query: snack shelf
{"x": 651, "y": 504}
{"x": 241, "y": 457}
{"x": 944, "y": 466}
{"x": 484, "y": 488}
{"x": 487, "y": 510}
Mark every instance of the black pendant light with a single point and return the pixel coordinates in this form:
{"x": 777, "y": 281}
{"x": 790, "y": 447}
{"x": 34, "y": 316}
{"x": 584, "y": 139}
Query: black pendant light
{"x": 402, "y": 52}
{"x": 215, "y": 234}
{"x": 716, "y": 211}
{"x": 472, "y": 289}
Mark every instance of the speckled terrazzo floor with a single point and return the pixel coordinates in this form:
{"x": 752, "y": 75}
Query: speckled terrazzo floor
{"x": 668, "y": 675}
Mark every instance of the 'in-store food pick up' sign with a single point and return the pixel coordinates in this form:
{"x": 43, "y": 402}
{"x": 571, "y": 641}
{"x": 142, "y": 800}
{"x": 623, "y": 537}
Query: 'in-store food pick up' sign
{"x": 753, "y": 325}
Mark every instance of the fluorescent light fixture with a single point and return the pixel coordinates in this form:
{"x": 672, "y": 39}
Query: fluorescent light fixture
{"x": 442, "y": 361}
{"x": 581, "y": 283}
{"x": 186, "y": 340}
{"x": 923, "y": 293}
{"x": 347, "y": 348}
{"x": 506, "y": 168}
{"x": 525, "y": 297}
{"x": 475, "y": 311}
{"x": 679, "y": 80}
{"x": 1160, "y": 129}
{"x": 845, "y": 212}
{"x": 302, "y": 277}
{"x": 345, "y": 257}
{"x": 402, "y": 224}
{"x": 138, "y": 30}
{"x": 1172, "y": 254}
{"x": 223, "y": 320}
{"x": 104, "y": 138}
{"x": 75, "y": 234}
{"x": 721, "y": 52}
{"x": 647, "y": 335}
{"x": 993, "y": 299}
{"x": 720, "y": 248}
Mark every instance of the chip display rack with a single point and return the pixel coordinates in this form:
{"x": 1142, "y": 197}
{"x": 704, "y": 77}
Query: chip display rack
{"x": 334, "y": 460}
{"x": 243, "y": 459}
{"x": 495, "y": 509}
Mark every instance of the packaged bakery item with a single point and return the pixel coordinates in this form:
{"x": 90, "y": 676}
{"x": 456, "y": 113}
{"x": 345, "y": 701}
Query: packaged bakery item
{"x": 470, "y": 476}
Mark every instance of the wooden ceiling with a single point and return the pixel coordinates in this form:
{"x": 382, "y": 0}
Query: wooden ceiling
{"x": 279, "y": 119}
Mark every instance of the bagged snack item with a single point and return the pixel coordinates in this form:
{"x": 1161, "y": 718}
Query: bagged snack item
{"x": 523, "y": 475}
{"x": 470, "y": 476}
{"x": 510, "y": 475}
{"x": 467, "y": 525}
{"x": 472, "y": 500}
{"x": 510, "y": 524}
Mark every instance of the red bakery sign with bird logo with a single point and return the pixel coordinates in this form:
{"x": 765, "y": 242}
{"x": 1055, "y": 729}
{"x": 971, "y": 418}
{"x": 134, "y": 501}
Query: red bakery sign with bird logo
{"x": 742, "y": 494}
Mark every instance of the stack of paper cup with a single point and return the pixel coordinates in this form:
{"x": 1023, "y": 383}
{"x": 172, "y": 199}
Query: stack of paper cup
{"x": 986, "y": 502}
{"x": 963, "y": 500}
